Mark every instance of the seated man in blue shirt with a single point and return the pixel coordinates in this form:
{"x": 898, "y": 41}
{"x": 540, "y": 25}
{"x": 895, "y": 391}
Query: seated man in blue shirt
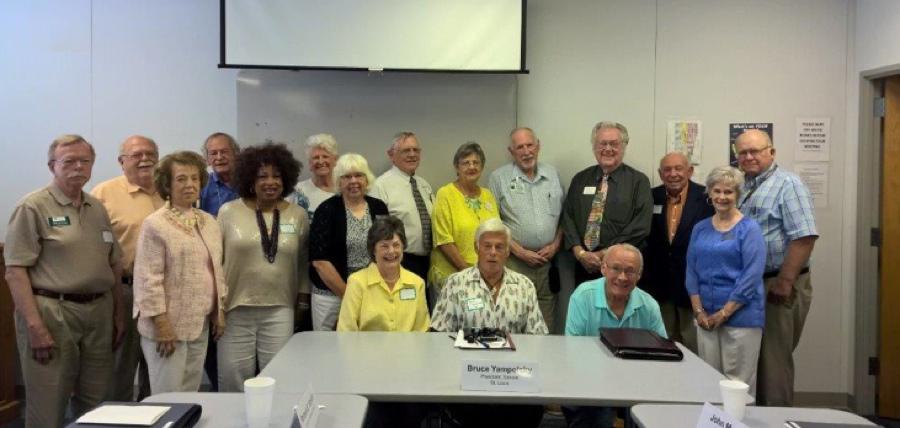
{"x": 611, "y": 301}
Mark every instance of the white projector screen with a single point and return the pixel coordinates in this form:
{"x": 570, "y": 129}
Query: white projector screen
{"x": 403, "y": 35}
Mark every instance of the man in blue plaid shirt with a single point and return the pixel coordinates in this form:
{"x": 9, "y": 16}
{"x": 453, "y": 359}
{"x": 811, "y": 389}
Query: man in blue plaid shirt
{"x": 783, "y": 207}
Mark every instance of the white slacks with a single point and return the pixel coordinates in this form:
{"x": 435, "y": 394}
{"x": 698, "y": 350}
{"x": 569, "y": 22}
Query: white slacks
{"x": 180, "y": 372}
{"x": 251, "y": 333}
{"x": 325, "y": 310}
{"x": 733, "y": 351}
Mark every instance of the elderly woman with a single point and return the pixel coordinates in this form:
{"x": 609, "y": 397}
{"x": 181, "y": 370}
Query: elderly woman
{"x": 179, "y": 287}
{"x": 337, "y": 239}
{"x": 384, "y": 296}
{"x": 265, "y": 243}
{"x": 321, "y": 153}
{"x": 724, "y": 279}
{"x": 459, "y": 207}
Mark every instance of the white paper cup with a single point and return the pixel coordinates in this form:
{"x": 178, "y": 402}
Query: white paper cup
{"x": 258, "y": 394}
{"x": 734, "y": 397}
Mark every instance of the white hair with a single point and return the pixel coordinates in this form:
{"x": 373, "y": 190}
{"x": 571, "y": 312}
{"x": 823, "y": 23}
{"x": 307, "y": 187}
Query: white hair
{"x": 492, "y": 225}
{"x": 352, "y": 162}
{"x": 321, "y": 141}
{"x": 631, "y": 248}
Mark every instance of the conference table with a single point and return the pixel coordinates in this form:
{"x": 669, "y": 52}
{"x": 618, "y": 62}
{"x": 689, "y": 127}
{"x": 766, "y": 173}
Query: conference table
{"x": 425, "y": 367}
{"x": 675, "y": 416}
{"x": 227, "y": 409}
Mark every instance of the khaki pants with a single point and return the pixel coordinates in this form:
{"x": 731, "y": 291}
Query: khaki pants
{"x": 129, "y": 359}
{"x": 784, "y": 324}
{"x": 733, "y": 351}
{"x": 180, "y": 372}
{"x": 81, "y": 363}
{"x": 541, "y": 279}
{"x": 680, "y": 326}
{"x": 253, "y": 334}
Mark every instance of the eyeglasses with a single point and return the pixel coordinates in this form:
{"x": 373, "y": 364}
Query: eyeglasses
{"x": 141, "y": 155}
{"x": 752, "y": 152}
{"x": 223, "y": 152}
{"x": 68, "y": 163}
{"x": 615, "y": 145}
{"x": 469, "y": 163}
{"x": 617, "y": 270}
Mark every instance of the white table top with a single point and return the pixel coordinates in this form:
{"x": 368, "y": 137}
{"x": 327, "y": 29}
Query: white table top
{"x": 227, "y": 410}
{"x": 675, "y": 416}
{"x": 425, "y": 367}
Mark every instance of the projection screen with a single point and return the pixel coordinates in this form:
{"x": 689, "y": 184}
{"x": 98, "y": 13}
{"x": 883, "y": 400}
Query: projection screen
{"x": 401, "y": 35}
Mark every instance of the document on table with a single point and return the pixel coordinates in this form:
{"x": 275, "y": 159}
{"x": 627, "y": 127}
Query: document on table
{"x": 139, "y": 415}
{"x": 461, "y": 343}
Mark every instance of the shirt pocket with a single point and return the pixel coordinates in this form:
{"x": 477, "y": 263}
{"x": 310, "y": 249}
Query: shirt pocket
{"x": 553, "y": 207}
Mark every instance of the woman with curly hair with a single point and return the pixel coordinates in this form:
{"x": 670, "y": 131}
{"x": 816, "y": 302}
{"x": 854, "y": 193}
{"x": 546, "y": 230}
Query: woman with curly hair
{"x": 265, "y": 243}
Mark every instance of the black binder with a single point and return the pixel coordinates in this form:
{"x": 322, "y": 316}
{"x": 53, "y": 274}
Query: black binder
{"x": 639, "y": 344}
{"x": 182, "y": 415}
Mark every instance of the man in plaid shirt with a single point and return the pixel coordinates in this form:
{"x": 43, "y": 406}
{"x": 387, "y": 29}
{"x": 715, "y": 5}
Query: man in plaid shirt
{"x": 783, "y": 207}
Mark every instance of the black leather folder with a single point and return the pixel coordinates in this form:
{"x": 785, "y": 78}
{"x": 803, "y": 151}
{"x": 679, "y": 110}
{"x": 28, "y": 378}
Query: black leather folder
{"x": 639, "y": 344}
{"x": 182, "y": 415}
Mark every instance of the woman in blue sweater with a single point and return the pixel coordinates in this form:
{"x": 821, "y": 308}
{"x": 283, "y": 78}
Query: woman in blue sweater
{"x": 724, "y": 279}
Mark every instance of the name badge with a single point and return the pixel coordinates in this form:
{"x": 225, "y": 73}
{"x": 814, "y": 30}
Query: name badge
{"x": 589, "y": 190}
{"x": 107, "y": 236}
{"x": 474, "y": 304}
{"x": 657, "y": 209}
{"x": 286, "y": 228}
{"x": 408, "y": 294}
{"x": 59, "y": 221}
{"x": 506, "y": 376}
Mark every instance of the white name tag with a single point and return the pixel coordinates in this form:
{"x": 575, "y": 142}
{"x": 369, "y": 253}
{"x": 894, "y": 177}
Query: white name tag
{"x": 408, "y": 294}
{"x": 107, "y": 236}
{"x": 714, "y": 417}
{"x": 474, "y": 304}
{"x": 657, "y": 209}
{"x": 589, "y": 190}
{"x": 505, "y": 376}
{"x": 286, "y": 228}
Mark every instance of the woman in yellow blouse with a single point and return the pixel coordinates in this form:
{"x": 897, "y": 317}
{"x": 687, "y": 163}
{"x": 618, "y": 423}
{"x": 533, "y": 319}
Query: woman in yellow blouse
{"x": 459, "y": 207}
{"x": 384, "y": 296}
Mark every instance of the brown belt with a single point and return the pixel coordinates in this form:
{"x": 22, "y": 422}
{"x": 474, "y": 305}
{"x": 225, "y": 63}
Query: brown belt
{"x": 69, "y": 297}
{"x": 774, "y": 273}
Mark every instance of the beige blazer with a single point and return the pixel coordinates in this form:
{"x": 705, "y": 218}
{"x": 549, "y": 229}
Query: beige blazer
{"x": 170, "y": 265}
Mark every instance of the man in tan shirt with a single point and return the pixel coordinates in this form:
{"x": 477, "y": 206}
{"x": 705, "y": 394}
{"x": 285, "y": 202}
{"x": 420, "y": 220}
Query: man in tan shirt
{"x": 129, "y": 199}
{"x": 63, "y": 269}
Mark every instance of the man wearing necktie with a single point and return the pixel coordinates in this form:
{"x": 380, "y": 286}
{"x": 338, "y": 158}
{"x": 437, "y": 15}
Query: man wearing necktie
{"x": 608, "y": 203}
{"x": 408, "y": 197}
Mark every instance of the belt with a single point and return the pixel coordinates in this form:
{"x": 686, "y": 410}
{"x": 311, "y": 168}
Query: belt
{"x": 128, "y": 280}
{"x": 69, "y": 297}
{"x": 774, "y": 273}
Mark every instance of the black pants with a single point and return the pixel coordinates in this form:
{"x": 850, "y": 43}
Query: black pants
{"x": 582, "y": 275}
{"x": 416, "y": 264}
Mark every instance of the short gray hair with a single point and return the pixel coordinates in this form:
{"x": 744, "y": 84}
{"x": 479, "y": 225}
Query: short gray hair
{"x": 623, "y": 131}
{"x": 466, "y": 150}
{"x": 321, "y": 141}
{"x": 628, "y": 247}
{"x": 67, "y": 140}
{"x": 352, "y": 162}
{"x": 492, "y": 225}
{"x": 147, "y": 139}
{"x": 727, "y": 175}
{"x": 231, "y": 141}
{"x": 526, "y": 129}
{"x": 401, "y": 137}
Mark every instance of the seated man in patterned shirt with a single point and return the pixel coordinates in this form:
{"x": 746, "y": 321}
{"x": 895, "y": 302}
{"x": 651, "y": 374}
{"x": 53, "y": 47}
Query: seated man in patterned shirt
{"x": 490, "y": 295}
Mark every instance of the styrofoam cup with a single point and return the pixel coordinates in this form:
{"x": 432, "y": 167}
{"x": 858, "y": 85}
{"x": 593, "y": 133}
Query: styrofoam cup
{"x": 258, "y": 395}
{"x": 734, "y": 397}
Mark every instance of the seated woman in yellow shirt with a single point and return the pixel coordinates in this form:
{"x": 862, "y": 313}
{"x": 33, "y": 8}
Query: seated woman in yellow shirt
{"x": 384, "y": 296}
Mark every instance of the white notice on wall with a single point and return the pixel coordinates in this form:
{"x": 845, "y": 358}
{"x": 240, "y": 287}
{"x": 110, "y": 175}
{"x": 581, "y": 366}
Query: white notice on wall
{"x": 813, "y": 139}
{"x": 815, "y": 176}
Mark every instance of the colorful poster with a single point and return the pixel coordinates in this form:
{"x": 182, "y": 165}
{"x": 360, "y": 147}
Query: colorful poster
{"x": 685, "y": 136}
{"x": 735, "y": 129}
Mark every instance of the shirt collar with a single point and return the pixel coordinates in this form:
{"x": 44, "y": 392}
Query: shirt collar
{"x": 598, "y": 172}
{"x": 679, "y": 198}
{"x": 61, "y": 197}
{"x": 373, "y": 278}
{"x": 600, "y": 301}
{"x": 134, "y": 188}
{"x": 400, "y": 172}
{"x": 538, "y": 173}
{"x": 759, "y": 179}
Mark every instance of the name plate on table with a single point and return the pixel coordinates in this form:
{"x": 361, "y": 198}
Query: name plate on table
{"x": 306, "y": 413}
{"x": 714, "y": 417}
{"x": 500, "y": 376}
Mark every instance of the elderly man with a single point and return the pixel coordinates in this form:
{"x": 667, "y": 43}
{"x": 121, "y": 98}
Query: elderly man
{"x": 410, "y": 198}
{"x": 610, "y": 302}
{"x": 529, "y": 194}
{"x": 608, "y": 203}
{"x": 490, "y": 295}
{"x": 678, "y": 204}
{"x": 220, "y": 150}
{"x": 783, "y": 207}
{"x": 64, "y": 274}
{"x": 129, "y": 199}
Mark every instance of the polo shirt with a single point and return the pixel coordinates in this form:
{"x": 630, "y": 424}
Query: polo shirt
{"x": 127, "y": 205}
{"x": 369, "y": 305}
{"x": 529, "y": 207}
{"x": 215, "y": 194}
{"x": 588, "y": 311}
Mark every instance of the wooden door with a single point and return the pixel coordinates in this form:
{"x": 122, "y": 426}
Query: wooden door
{"x": 889, "y": 257}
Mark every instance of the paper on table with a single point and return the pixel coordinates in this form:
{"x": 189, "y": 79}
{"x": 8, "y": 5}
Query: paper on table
{"x": 461, "y": 343}
{"x": 124, "y": 415}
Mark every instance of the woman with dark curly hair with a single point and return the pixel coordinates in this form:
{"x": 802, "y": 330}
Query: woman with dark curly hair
{"x": 264, "y": 238}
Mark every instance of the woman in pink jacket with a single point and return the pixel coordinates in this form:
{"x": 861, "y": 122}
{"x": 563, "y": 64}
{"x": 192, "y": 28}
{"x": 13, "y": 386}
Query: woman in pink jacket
{"x": 179, "y": 287}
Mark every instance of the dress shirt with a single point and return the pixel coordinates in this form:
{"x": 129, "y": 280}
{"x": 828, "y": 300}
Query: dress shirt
{"x": 728, "y": 266}
{"x": 66, "y": 249}
{"x": 394, "y": 189}
{"x": 215, "y": 194}
{"x": 782, "y": 205}
{"x": 369, "y": 305}
{"x": 128, "y": 205}
{"x": 674, "y": 209}
{"x": 628, "y": 211}
{"x": 529, "y": 207}
{"x": 466, "y": 302}
{"x": 588, "y": 311}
